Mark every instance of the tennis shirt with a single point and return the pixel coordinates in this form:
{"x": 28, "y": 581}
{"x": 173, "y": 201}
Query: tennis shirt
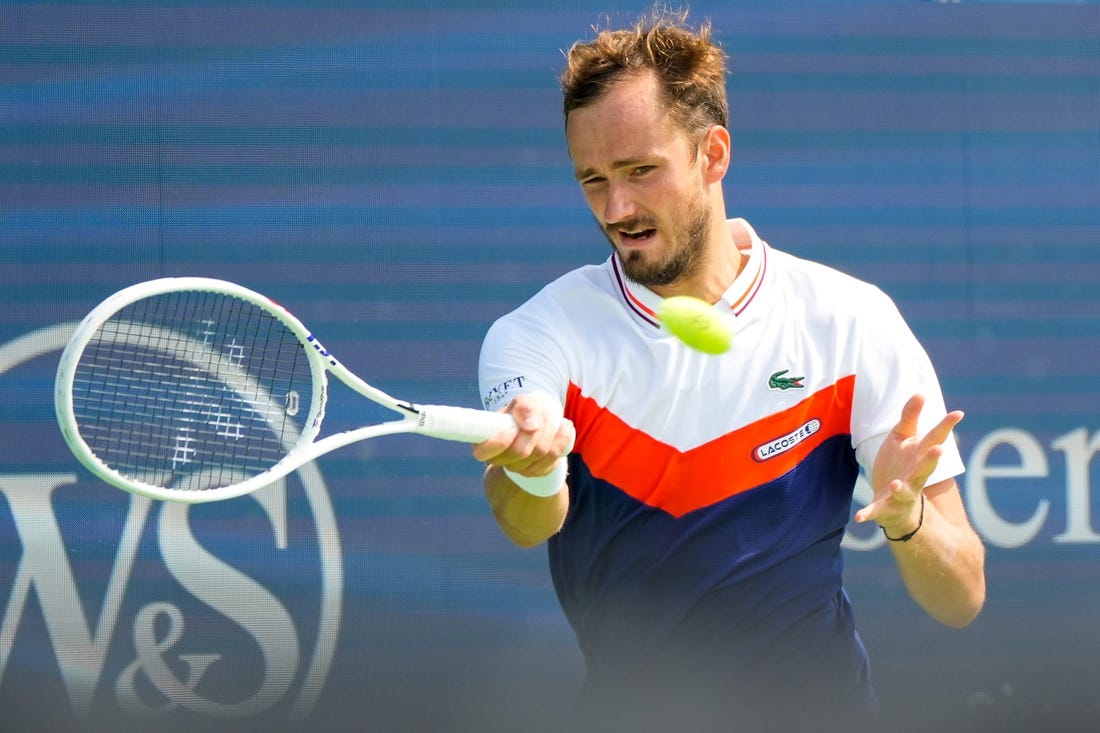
{"x": 700, "y": 561}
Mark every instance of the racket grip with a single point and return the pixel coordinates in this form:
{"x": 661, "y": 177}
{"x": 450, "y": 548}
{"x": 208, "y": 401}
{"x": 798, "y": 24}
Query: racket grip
{"x": 462, "y": 424}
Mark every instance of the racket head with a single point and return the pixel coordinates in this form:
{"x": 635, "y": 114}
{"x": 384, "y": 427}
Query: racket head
{"x": 189, "y": 390}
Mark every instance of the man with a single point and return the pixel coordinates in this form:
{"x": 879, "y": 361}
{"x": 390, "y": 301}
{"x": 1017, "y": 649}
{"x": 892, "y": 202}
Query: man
{"x": 695, "y": 543}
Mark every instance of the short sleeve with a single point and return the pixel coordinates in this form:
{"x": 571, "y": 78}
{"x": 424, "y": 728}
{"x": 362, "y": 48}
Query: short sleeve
{"x": 520, "y": 354}
{"x": 892, "y": 366}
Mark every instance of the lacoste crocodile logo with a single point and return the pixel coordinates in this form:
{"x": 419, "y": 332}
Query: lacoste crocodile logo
{"x": 781, "y": 383}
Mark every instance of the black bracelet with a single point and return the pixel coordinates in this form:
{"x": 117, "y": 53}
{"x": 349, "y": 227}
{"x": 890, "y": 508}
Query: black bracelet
{"x": 907, "y": 537}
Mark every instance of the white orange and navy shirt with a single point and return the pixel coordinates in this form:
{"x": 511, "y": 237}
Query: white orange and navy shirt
{"x": 709, "y": 494}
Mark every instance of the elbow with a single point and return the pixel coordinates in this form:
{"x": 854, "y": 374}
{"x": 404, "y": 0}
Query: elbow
{"x": 973, "y": 609}
{"x": 974, "y": 598}
{"x": 527, "y": 520}
{"x": 962, "y": 617}
{"x": 525, "y": 541}
{"x": 966, "y": 610}
{"x": 529, "y": 534}
{"x": 970, "y": 596}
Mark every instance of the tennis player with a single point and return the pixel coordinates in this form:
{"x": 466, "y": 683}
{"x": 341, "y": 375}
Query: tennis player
{"x": 694, "y": 528}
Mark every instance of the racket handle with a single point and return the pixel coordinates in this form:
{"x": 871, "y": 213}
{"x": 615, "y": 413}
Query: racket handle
{"x": 462, "y": 424}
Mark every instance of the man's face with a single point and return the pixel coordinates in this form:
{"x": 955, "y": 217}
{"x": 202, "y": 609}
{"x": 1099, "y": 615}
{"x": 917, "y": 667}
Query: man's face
{"x": 642, "y": 178}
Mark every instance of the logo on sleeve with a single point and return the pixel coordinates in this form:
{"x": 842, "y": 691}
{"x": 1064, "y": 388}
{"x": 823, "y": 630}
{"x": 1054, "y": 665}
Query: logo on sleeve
{"x": 496, "y": 395}
{"x": 779, "y": 382}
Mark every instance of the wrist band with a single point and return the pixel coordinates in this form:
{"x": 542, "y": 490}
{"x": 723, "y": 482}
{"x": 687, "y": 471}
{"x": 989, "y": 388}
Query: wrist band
{"x": 547, "y": 485}
{"x": 907, "y": 537}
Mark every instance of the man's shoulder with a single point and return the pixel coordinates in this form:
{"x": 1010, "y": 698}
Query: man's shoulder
{"x": 570, "y": 291}
{"x": 560, "y": 304}
{"x": 825, "y": 281}
{"x": 586, "y": 277}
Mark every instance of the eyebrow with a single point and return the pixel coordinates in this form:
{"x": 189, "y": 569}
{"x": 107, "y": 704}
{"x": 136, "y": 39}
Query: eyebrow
{"x": 615, "y": 165}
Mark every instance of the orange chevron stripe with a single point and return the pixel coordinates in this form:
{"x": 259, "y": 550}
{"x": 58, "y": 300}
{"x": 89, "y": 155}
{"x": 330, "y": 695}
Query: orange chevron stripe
{"x": 680, "y": 482}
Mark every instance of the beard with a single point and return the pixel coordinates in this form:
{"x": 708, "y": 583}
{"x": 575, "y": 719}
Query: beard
{"x": 687, "y": 240}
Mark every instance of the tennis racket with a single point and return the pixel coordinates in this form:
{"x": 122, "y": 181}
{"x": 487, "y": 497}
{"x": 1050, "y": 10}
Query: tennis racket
{"x": 194, "y": 389}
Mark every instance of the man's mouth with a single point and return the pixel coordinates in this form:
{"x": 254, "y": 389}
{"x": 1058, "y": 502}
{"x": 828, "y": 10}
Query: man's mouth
{"x": 638, "y": 235}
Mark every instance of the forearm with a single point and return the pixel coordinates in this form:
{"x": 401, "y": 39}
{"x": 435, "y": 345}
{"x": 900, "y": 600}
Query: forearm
{"x": 943, "y": 566}
{"x": 525, "y": 519}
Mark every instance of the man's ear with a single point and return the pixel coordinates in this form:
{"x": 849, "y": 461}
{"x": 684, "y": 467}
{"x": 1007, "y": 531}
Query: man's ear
{"x": 716, "y": 151}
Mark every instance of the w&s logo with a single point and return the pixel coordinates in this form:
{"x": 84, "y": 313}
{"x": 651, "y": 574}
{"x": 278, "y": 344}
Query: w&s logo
{"x": 120, "y": 607}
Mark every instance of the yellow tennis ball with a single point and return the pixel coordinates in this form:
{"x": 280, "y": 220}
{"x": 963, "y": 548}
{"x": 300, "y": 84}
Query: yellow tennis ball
{"x": 696, "y": 323}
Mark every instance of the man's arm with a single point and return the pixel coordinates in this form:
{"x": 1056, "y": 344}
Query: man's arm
{"x": 534, "y": 452}
{"x": 942, "y": 565}
{"x": 526, "y": 519}
{"x": 943, "y": 561}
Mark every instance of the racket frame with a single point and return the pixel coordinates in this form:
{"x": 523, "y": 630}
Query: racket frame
{"x": 440, "y": 421}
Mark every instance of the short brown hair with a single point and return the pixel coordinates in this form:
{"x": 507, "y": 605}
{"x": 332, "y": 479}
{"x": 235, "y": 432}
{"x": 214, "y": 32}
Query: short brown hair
{"x": 690, "y": 66}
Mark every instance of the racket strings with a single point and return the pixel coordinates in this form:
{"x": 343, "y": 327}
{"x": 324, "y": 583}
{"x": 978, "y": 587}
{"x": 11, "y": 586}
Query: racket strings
{"x": 192, "y": 390}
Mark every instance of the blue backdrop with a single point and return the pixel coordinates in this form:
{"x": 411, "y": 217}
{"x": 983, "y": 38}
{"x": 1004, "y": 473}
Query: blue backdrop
{"x": 394, "y": 172}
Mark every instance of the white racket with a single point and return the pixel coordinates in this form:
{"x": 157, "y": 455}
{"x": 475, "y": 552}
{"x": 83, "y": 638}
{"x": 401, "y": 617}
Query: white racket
{"x": 193, "y": 389}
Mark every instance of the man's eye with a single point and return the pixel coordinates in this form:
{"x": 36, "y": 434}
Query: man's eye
{"x": 595, "y": 180}
{"x": 642, "y": 170}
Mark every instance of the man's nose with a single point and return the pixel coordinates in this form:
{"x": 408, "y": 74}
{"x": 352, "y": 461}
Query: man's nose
{"x": 620, "y": 204}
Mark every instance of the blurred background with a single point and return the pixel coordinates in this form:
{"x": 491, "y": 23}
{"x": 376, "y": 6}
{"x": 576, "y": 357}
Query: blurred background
{"x": 394, "y": 172}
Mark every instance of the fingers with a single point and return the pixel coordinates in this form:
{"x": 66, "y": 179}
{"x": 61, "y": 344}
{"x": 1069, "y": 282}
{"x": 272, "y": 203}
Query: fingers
{"x": 530, "y": 415}
{"x": 547, "y": 452}
{"x": 910, "y": 419}
{"x": 489, "y": 449}
{"x": 940, "y": 433}
{"x": 541, "y": 440}
{"x": 910, "y": 416}
{"x": 905, "y": 462}
{"x": 865, "y": 514}
{"x": 879, "y": 505}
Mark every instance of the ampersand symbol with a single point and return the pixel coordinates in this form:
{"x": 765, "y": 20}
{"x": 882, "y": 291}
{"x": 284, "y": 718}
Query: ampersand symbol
{"x": 150, "y": 663}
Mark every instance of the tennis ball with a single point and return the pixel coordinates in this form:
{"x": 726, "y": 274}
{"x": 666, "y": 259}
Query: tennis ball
{"x": 696, "y": 323}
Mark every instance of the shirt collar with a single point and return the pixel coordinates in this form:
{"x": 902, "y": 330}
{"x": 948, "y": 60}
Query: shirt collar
{"x": 738, "y": 295}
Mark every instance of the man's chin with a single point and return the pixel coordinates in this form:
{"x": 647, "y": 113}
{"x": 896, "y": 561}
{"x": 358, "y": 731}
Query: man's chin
{"x": 638, "y": 269}
{"x": 635, "y": 262}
